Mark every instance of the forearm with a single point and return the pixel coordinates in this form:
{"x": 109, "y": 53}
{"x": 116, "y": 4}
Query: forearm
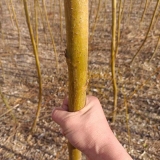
{"x": 112, "y": 150}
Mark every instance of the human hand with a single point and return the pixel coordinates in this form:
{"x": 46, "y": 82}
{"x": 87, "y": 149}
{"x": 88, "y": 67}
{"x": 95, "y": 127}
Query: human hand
{"x": 89, "y": 131}
{"x": 85, "y": 128}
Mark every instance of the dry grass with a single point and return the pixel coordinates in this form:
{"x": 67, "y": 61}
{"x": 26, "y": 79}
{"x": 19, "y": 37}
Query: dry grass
{"x": 18, "y": 79}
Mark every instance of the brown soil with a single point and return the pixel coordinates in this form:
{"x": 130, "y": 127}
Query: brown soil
{"x": 138, "y": 84}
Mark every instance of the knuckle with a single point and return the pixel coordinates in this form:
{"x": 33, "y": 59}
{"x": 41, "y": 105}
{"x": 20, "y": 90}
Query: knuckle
{"x": 93, "y": 99}
{"x": 70, "y": 121}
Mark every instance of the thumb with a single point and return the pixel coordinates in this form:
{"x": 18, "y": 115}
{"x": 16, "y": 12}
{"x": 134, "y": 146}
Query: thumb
{"x": 58, "y": 115}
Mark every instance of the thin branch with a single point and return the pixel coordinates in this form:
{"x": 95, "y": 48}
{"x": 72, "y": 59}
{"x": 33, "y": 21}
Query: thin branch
{"x": 52, "y": 38}
{"x": 154, "y": 53}
{"x": 113, "y": 59}
{"x": 150, "y": 26}
{"x": 37, "y": 65}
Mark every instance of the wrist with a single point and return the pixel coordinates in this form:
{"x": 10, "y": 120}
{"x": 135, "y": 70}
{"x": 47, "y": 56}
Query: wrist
{"x": 113, "y": 150}
{"x": 108, "y": 148}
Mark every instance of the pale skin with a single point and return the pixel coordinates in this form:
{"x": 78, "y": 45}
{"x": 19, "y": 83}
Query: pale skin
{"x": 89, "y": 131}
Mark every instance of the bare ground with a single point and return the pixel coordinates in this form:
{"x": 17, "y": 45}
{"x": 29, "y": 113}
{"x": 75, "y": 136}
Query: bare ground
{"x": 138, "y": 84}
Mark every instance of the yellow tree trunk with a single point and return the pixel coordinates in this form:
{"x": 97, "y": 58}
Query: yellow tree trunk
{"x": 76, "y": 13}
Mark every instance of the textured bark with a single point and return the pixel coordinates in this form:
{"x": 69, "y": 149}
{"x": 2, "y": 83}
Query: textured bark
{"x": 76, "y": 13}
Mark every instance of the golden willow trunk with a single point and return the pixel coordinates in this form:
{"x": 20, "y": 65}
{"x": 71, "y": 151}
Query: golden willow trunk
{"x": 76, "y": 14}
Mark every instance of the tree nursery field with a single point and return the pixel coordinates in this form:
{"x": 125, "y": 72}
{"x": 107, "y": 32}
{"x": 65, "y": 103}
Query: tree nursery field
{"x": 137, "y": 121}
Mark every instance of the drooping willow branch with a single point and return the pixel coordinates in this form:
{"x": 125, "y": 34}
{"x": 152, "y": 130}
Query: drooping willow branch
{"x": 95, "y": 22}
{"x": 35, "y": 51}
{"x": 130, "y": 9}
{"x": 113, "y": 58}
{"x": 9, "y": 9}
{"x": 144, "y": 11}
{"x": 154, "y": 53}
{"x": 127, "y": 120}
{"x": 16, "y": 21}
{"x": 52, "y": 38}
{"x": 150, "y": 26}
{"x": 60, "y": 14}
{"x": 43, "y": 21}
{"x": 5, "y": 101}
{"x": 36, "y": 22}
{"x": 118, "y": 28}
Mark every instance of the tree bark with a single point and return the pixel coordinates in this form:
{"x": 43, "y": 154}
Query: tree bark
{"x": 76, "y": 14}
